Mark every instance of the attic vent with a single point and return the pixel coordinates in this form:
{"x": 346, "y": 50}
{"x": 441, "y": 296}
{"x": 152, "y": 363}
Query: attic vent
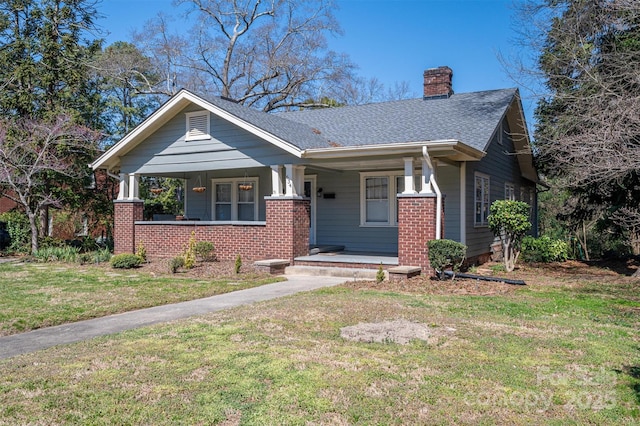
{"x": 197, "y": 126}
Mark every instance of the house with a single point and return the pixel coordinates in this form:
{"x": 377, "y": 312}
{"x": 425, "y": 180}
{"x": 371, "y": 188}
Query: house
{"x": 376, "y": 180}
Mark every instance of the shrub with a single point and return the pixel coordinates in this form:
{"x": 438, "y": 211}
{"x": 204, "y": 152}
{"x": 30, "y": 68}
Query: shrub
{"x": 125, "y": 261}
{"x": 57, "y": 254}
{"x": 544, "y": 249}
{"x": 141, "y": 251}
{"x": 509, "y": 221}
{"x": 87, "y": 244}
{"x": 175, "y": 264}
{"x": 238, "y": 264}
{"x": 205, "y": 251}
{"x": 84, "y": 258}
{"x": 46, "y": 242}
{"x": 102, "y": 255}
{"x": 380, "y": 274}
{"x": 446, "y": 254}
{"x": 19, "y": 231}
{"x": 190, "y": 252}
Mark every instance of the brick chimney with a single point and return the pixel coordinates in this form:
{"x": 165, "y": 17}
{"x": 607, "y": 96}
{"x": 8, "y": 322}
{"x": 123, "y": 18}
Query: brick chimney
{"x": 438, "y": 83}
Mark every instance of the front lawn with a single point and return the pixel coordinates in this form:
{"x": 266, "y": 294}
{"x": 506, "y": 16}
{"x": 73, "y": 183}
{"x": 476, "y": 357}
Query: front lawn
{"x": 565, "y": 349}
{"x": 35, "y": 295}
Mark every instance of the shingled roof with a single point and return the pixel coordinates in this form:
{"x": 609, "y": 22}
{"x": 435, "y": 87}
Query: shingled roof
{"x": 470, "y": 118}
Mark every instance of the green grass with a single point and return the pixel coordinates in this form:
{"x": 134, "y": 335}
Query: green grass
{"x": 549, "y": 353}
{"x": 40, "y": 295}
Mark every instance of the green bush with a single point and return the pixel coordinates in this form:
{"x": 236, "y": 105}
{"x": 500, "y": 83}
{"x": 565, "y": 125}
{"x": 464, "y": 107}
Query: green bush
{"x": 445, "y": 254}
{"x": 141, "y": 251}
{"x": 509, "y": 221}
{"x": 126, "y": 261}
{"x": 19, "y": 230}
{"x": 544, "y": 249}
{"x": 102, "y": 255}
{"x": 238, "y": 264}
{"x": 205, "y": 251}
{"x": 380, "y": 274}
{"x": 46, "y": 242}
{"x": 57, "y": 254}
{"x": 175, "y": 264}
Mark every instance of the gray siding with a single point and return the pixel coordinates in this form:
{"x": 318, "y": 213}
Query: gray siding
{"x": 230, "y": 147}
{"x": 448, "y": 178}
{"x": 200, "y": 205}
{"x": 501, "y": 165}
{"x": 338, "y": 219}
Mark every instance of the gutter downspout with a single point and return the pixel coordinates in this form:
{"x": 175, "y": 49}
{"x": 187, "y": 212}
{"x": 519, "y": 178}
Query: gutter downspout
{"x": 436, "y": 188}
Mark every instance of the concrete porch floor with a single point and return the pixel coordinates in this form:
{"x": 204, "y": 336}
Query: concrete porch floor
{"x": 387, "y": 259}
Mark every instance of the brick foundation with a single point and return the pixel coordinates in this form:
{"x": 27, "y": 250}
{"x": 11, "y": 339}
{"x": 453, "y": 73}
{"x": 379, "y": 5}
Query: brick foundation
{"x": 416, "y": 226}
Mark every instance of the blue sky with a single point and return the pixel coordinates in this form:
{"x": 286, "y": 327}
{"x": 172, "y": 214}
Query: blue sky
{"x": 393, "y": 40}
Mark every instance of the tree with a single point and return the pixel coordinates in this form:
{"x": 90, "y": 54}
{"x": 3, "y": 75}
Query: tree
{"x": 266, "y": 54}
{"x": 587, "y": 136}
{"x": 44, "y": 70}
{"x": 509, "y": 221}
{"x": 127, "y": 84}
{"x": 33, "y": 152}
{"x": 44, "y": 58}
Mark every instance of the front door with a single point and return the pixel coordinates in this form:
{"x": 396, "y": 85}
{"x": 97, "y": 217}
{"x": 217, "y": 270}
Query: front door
{"x": 310, "y": 191}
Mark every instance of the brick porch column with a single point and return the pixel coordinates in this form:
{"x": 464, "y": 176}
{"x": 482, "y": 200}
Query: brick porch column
{"x": 287, "y": 227}
{"x": 416, "y": 226}
{"x": 126, "y": 213}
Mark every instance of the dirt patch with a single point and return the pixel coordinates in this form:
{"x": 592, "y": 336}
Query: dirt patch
{"x": 208, "y": 270}
{"x": 398, "y": 331}
{"x": 426, "y": 285}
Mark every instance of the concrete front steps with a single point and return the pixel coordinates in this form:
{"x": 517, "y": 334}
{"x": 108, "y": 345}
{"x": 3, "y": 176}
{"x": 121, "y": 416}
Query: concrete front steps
{"x": 330, "y": 271}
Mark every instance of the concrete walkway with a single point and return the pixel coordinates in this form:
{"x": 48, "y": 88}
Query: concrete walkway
{"x": 75, "y": 332}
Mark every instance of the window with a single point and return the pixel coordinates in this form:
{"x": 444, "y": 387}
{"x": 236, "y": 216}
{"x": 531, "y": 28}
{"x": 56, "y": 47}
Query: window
{"x": 509, "y": 191}
{"x": 235, "y": 199}
{"x": 197, "y": 126}
{"x": 379, "y": 204}
{"x": 481, "y": 202}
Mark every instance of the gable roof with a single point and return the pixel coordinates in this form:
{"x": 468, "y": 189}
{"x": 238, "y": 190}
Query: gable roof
{"x": 470, "y": 118}
{"x": 464, "y": 123}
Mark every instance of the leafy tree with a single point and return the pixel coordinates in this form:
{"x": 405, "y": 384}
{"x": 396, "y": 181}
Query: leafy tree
{"x": 32, "y": 153}
{"x": 509, "y": 221}
{"x": 44, "y": 58}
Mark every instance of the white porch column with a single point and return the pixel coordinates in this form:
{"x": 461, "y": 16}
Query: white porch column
{"x": 409, "y": 186}
{"x": 290, "y": 188}
{"x": 276, "y": 181}
{"x": 133, "y": 186}
{"x": 298, "y": 175}
{"x": 426, "y": 187}
{"x": 123, "y": 191}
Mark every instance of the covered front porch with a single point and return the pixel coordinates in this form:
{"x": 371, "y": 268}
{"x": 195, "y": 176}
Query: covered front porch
{"x": 287, "y": 211}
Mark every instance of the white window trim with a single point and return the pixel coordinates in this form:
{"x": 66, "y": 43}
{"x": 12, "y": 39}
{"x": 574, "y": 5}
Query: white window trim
{"x": 234, "y": 196}
{"x": 509, "y": 191}
{"x": 481, "y": 224}
{"x": 392, "y": 197}
{"x": 207, "y": 133}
